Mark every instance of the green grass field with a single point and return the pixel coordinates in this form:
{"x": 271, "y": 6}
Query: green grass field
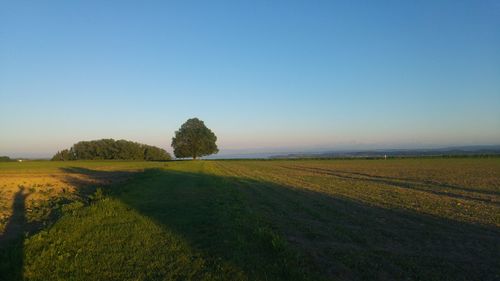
{"x": 407, "y": 219}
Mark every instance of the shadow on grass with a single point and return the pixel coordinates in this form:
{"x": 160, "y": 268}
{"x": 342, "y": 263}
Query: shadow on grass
{"x": 93, "y": 179}
{"x": 277, "y": 232}
{"x": 17, "y": 227}
{"x": 11, "y": 241}
{"x": 241, "y": 221}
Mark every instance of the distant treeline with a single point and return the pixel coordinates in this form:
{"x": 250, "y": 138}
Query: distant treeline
{"x": 5, "y": 159}
{"x": 447, "y": 152}
{"x": 378, "y": 157}
{"x": 281, "y": 158}
{"x": 110, "y": 149}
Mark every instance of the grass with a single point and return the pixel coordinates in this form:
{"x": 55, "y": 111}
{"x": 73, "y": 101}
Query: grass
{"x": 405, "y": 219}
{"x": 46, "y": 185}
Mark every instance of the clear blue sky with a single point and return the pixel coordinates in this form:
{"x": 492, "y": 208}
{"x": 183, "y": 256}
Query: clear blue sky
{"x": 264, "y": 75}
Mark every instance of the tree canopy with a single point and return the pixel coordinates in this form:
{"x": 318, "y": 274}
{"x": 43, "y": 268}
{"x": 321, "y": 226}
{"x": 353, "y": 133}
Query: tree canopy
{"x": 5, "y": 159}
{"x": 107, "y": 149}
{"x": 194, "y": 140}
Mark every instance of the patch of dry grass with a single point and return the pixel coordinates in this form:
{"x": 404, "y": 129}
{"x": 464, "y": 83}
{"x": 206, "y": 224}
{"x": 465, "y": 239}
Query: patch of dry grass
{"x": 45, "y": 185}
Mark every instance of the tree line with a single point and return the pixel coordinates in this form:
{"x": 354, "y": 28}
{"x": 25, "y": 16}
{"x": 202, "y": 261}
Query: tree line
{"x": 110, "y": 149}
{"x": 5, "y": 159}
{"x": 192, "y": 140}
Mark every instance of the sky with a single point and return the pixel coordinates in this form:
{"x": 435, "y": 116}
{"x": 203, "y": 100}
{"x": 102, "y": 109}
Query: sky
{"x": 263, "y": 75}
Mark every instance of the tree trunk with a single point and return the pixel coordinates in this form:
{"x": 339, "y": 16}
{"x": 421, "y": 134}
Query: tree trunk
{"x": 194, "y": 157}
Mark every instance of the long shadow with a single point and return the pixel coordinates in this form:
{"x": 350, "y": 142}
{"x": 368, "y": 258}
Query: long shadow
{"x": 414, "y": 242}
{"x": 17, "y": 227}
{"x": 402, "y": 183}
{"x": 230, "y": 219}
{"x": 234, "y": 220}
{"x": 11, "y": 241}
{"x": 96, "y": 174}
{"x": 93, "y": 179}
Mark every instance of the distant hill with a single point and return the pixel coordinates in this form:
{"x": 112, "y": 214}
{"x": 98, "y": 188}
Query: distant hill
{"x": 475, "y": 150}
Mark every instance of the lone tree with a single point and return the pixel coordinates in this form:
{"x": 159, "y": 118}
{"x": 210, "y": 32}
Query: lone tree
{"x": 194, "y": 139}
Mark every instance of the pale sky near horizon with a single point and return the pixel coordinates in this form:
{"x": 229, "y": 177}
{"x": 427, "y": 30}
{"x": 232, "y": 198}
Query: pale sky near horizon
{"x": 263, "y": 75}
